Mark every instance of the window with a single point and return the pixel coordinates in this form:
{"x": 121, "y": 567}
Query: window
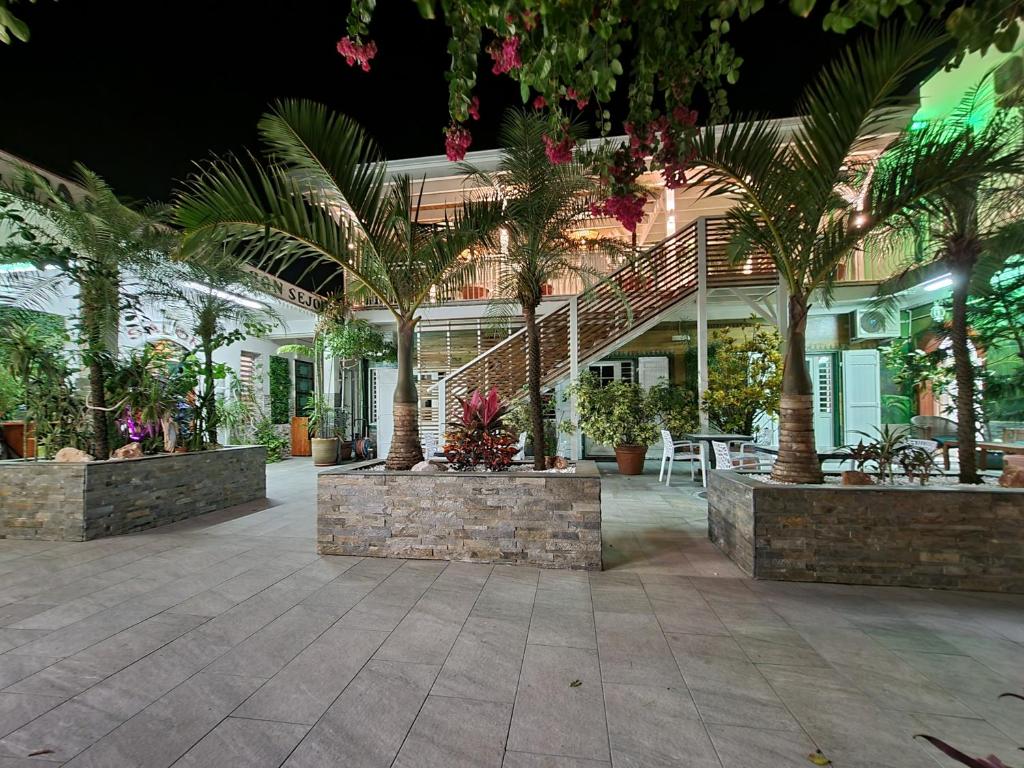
{"x": 617, "y": 370}
{"x": 824, "y": 385}
{"x": 247, "y": 363}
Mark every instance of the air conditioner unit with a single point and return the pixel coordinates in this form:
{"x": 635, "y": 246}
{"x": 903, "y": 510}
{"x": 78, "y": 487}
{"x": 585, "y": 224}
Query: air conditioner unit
{"x": 873, "y": 324}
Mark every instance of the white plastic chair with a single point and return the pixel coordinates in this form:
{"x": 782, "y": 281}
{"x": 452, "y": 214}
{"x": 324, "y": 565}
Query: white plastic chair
{"x": 683, "y": 450}
{"x": 429, "y": 445}
{"x": 521, "y": 445}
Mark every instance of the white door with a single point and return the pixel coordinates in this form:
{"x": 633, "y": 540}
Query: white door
{"x": 651, "y": 371}
{"x": 821, "y": 370}
{"x": 862, "y": 399}
{"x": 381, "y": 411}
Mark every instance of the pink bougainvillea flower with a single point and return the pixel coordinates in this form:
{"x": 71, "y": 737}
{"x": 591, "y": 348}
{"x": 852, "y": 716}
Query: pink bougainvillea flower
{"x": 684, "y": 116}
{"x": 456, "y": 141}
{"x": 540, "y": 102}
{"x": 356, "y": 52}
{"x": 581, "y": 101}
{"x": 474, "y": 108}
{"x": 628, "y": 209}
{"x": 559, "y": 152}
{"x": 505, "y": 55}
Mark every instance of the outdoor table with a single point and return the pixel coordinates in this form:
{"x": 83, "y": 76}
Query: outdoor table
{"x": 983, "y": 448}
{"x": 823, "y": 456}
{"x": 710, "y": 437}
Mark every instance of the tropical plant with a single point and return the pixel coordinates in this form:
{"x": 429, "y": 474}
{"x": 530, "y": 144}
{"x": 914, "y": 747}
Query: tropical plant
{"x": 675, "y": 407}
{"x": 215, "y": 295}
{"x": 236, "y": 408}
{"x": 884, "y": 451}
{"x": 322, "y": 198}
{"x": 480, "y": 438}
{"x": 543, "y": 205}
{"x": 974, "y": 223}
{"x": 917, "y": 463}
{"x": 90, "y": 239}
{"x": 617, "y": 414}
{"x": 576, "y": 53}
{"x": 280, "y": 386}
{"x": 797, "y": 199}
{"x": 356, "y": 339}
{"x": 32, "y": 356}
{"x": 265, "y": 434}
{"x": 319, "y": 413}
{"x": 744, "y": 378}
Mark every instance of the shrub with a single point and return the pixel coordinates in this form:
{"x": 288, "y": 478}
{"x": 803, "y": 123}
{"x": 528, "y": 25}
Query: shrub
{"x": 280, "y": 390}
{"x": 480, "y": 438}
{"x": 616, "y": 414}
{"x": 266, "y": 435}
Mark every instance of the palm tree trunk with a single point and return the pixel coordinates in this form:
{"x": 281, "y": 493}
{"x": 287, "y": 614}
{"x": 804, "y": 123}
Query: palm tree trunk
{"x": 98, "y": 401}
{"x": 209, "y": 405}
{"x": 964, "y": 369}
{"x": 798, "y": 459}
{"x": 405, "y": 442}
{"x": 533, "y": 385}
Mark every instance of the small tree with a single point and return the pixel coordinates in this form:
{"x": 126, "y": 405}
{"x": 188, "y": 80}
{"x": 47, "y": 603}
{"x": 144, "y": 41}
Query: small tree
{"x": 744, "y": 378}
{"x": 92, "y": 239}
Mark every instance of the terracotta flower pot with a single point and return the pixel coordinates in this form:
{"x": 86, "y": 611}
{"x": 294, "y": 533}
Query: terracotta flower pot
{"x": 325, "y": 451}
{"x": 630, "y": 459}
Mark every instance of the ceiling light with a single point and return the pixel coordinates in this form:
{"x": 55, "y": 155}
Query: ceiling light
{"x": 225, "y": 295}
{"x": 938, "y": 283}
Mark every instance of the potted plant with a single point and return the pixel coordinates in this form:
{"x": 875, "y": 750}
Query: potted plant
{"x": 325, "y": 449}
{"x": 619, "y": 414}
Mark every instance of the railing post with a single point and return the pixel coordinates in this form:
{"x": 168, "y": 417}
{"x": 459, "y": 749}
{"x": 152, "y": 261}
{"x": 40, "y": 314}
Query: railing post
{"x": 442, "y": 411}
{"x": 576, "y": 446}
{"x": 702, "y": 318}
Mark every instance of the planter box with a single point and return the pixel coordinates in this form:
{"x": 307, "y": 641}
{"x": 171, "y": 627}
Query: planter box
{"x": 945, "y": 538}
{"x": 543, "y": 519}
{"x": 77, "y": 502}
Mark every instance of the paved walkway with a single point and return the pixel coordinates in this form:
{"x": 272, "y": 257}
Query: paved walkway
{"x": 227, "y": 642}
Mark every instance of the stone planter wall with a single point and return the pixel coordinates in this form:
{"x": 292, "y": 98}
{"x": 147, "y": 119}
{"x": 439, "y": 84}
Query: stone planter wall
{"x": 940, "y": 537}
{"x": 77, "y": 502}
{"x": 533, "y": 518}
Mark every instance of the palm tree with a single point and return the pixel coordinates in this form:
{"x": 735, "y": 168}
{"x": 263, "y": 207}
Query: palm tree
{"x": 322, "y": 199}
{"x": 790, "y": 201}
{"x": 215, "y": 295}
{"x": 973, "y": 226}
{"x": 92, "y": 239}
{"x": 543, "y": 202}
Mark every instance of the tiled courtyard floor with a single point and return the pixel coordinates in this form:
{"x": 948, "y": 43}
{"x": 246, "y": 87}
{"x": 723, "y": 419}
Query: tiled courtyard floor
{"x": 226, "y": 641}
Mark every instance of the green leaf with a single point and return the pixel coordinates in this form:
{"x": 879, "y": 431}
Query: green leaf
{"x": 801, "y": 7}
{"x": 524, "y": 92}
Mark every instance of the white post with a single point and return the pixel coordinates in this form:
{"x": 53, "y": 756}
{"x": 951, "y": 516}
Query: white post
{"x": 442, "y": 413}
{"x": 576, "y": 444}
{"x": 702, "y": 318}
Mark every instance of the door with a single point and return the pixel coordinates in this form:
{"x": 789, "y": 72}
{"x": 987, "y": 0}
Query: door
{"x": 821, "y": 369}
{"x": 381, "y": 411}
{"x": 862, "y": 399}
{"x": 651, "y": 371}
{"x": 303, "y": 386}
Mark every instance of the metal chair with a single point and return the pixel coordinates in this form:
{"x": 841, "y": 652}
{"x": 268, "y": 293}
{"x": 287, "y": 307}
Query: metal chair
{"x": 521, "y": 445}
{"x": 670, "y": 451}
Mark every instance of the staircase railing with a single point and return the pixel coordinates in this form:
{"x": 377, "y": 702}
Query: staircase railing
{"x": 640, "y": 291}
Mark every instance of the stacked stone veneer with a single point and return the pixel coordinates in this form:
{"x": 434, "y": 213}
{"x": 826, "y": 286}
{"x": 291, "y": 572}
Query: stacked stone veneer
{"x": 76, "y": 502}
{"x": 942, "y": 537}
{"x": 542, "y": 519}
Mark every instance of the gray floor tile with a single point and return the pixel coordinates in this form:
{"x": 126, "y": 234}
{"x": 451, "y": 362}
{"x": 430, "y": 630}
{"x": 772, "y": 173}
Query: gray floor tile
{"x": 237, "y": 743}
{"x": 366, "y": 725}
{"x": 17, "y": 709}
{"x": 303, "y": 690}
{"x": 634, "y": 650}
{"x": 456, "y": 733}
{"x": 528, "y": 760}
{"x": 485, "y": 661}
{"x": 656, "y": 727}
{"x": 552, "y": 715}
{"x": 739, "y": 747}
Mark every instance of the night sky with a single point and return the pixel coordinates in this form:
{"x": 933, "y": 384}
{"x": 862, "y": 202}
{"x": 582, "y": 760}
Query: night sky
{"x": 137, "y": 94}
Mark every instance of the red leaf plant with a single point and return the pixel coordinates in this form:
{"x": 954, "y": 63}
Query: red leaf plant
{"x": 480, "y": 438}
{"x": 961, "y": 757}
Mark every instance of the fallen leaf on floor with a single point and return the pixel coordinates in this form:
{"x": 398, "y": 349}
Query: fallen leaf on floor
{"x": 40, "y": 752}
{"x": 818, "y": 758}
{"x": 575, "y": 684}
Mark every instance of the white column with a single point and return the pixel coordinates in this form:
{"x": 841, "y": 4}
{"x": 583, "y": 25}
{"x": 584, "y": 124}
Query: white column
{"x": 702, "y": 317}
{"x": 442, "y": 412}
{"x": 576, "y": 443}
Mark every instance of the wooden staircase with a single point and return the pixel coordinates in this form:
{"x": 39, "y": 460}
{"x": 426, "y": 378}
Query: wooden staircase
{"x": 632, "y": 298}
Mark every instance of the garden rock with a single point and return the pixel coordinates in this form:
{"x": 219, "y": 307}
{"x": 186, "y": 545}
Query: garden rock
{"x": 855, "y": 477}
{"x": 130, "y": 451}
{"x": 1013, "y": 472}
{"x": 425, "y": 466}
{"x": 70, "y": 455}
